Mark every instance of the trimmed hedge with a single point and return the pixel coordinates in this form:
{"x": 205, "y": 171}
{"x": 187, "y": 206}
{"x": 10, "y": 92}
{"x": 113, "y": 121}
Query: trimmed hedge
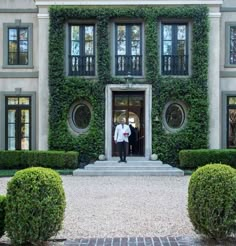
{"x": 2, "y": 214}
{"x": 35, "y": 206}
{"x": 51, "y": 159}
{"x": 212, "y": 200}
{"x": 191, "y": 159}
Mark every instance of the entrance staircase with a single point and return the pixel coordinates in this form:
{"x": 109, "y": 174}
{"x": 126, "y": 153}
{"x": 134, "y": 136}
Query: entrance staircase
{"x": 133, "y": 167}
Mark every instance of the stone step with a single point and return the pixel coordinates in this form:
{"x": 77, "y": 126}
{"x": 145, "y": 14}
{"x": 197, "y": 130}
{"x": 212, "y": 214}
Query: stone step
{"x": 129, "y": 162}
{"x": 127, "y": 167}
{"x": 171, "y": 172}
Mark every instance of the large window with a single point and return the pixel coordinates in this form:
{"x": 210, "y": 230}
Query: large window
{"x": 232, "y": 51}
{"x": 82, "y": 50}
{"x": 18, "y": 46}
{"x": 18, "y": 123}
{"x": 128, "y": 55}
{"x": 174, "y": 49}
{"x": 231, "y": 122}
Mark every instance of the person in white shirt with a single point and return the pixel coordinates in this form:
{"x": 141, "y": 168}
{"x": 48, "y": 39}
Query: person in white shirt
{"x": 121, "y": 138}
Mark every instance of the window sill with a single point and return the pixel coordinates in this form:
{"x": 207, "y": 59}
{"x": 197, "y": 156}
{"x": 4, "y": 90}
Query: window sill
{"x": 18, "y": 66}
{"x": 230, "y": 66}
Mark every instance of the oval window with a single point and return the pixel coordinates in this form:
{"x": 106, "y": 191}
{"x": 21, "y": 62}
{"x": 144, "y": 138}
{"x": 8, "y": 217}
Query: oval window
{"x": 80, "y": 117}
{"x": 174, "y": 116}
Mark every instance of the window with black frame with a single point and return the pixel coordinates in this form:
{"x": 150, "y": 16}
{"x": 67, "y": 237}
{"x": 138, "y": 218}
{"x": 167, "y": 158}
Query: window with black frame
{"x": 128, "y": 53}
{"x": 233, "y": 45}
{"x": 18, "y": 46}
{"x": 82, "y": 50}
{"x": 174, "y": 59}
{"x": 18, "y": 123}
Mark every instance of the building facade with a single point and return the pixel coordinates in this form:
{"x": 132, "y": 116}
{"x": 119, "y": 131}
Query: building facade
{"x": 70, "y": 70}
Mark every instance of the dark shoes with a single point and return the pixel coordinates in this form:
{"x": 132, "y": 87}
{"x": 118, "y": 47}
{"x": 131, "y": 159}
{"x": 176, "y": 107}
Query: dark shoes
{"x": 122, "y": 161}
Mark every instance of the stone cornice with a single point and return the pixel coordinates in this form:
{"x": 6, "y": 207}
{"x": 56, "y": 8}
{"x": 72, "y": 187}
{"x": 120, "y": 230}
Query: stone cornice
{"x": 125, "y": 2}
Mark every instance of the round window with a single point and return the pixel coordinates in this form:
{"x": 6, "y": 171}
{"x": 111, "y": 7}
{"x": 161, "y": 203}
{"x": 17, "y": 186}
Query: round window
{"x": 174, "y": 116}
{"x": 80, "y": 117}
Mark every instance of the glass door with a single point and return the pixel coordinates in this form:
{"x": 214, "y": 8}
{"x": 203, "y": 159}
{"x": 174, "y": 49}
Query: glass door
{"x": 18, "y": 123}
{"x": 130, "y": 107}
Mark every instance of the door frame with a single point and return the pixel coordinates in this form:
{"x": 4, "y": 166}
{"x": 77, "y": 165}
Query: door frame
{"x": 147, "y": 89}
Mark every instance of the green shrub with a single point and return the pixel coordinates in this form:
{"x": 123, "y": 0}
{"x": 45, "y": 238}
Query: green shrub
{"x": 35, "y": 205}
{"x": 2, "y": 214}
{"x": 50, "y": 159}
{"x": 191, "y": 159}
{"x": 212, "y": 200}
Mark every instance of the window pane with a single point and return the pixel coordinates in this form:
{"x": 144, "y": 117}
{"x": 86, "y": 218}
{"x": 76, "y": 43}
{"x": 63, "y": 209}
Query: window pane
{"x": 135, "y": 48}
{"x": 167, "y": 32}
{"x": 12, "y": 100}
{"x": 11, "y": 143}
{"x": 121, "y": 101}
{"x": 182, "y": 32}
{"x": 12, "y": 46}
{"x": 11, "y": 116}
{"x": 75, "y": 33}
{"x": 88, "y": 33}
{"x": 24, "y": 34}
{"x": 25, "y": 143}
{"x": 11, "y": 130}
{"x": 232, "y": 45}
{"x": 174, "y": 116}
{"x": 12, "y": 34}
{"x": 12, "y": 58}
{"x": 89, "y": 48}
{"x": 121, "y": 33}
{"x": 25, "y": 130}
{"x": 23, "y": 59}
{"x": 23, "y": 46}
{"x": 81, "y": 116}
{"x": 135, "y": 33}
{"x": 181, "y": 48}
{"x": 75, "y": 48}
{"x": 232, "y": 128}
{"x": 167, "y": 48}
{"x": 121, "y": 48}
{"x": 25, "y": 116}
{"x": 24, "y": 101}
{"x": 232, "y": 100}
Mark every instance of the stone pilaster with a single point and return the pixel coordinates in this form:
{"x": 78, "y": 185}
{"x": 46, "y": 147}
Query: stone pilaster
{"x": 214, "y": 82}
{"x": 43, "y": 90}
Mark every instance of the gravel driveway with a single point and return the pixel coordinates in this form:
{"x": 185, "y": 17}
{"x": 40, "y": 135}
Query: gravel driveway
{"x": 124, "y": 206}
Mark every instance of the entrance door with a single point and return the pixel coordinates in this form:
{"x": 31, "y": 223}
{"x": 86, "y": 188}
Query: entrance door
{"x": 129, "y": 106}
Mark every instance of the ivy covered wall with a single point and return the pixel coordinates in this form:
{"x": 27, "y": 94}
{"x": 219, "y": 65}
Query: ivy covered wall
{"x": 190, "y": 90}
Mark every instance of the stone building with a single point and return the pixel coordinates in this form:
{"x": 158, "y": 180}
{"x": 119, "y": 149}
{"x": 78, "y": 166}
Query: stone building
{"x": 70, "y": 70}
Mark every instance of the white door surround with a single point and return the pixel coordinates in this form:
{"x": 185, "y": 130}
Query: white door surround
{"x": 147, "y": 89}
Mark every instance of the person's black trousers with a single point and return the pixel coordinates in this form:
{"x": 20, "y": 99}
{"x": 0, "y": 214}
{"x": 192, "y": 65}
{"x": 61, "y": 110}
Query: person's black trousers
{"x": 122, "y": 146}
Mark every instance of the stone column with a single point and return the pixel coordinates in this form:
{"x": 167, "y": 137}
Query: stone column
{"x": 214, "y": 82}
{"x": 43, "y": 90}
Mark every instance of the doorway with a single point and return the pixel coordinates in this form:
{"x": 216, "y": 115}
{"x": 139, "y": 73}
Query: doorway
{"x": 130, "y": 106}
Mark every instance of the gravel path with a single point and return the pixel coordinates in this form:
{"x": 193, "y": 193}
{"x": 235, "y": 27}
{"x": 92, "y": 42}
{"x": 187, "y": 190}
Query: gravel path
{"x": 124, "y": 206}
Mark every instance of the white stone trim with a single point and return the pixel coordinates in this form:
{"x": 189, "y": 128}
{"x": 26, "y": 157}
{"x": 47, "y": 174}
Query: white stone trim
{"x": 43, "y": 16}
{"x": 125, "y": 2}
{"x": 148, "y": 115}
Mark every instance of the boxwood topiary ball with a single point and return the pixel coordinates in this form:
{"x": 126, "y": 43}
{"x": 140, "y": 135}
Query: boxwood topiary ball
{"x": 212, "y": 200}
{"x": 35, "y": 205}
{"x": 2, "y": 214}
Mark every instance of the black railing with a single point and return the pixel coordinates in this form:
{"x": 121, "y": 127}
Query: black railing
{"x": 128, "y": 65}
{"x": 174, "y": 65}
{"x": 82, "y": 65}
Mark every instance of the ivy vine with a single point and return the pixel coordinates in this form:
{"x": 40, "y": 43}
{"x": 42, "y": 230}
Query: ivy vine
{"x": 191, "y": 90}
